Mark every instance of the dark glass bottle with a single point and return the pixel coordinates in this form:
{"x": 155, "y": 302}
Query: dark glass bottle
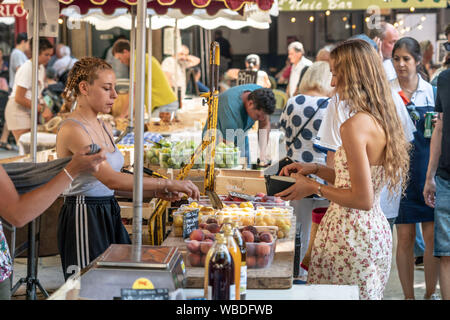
{"x": 241, "y": 243}
{"x": 221, "y": 284}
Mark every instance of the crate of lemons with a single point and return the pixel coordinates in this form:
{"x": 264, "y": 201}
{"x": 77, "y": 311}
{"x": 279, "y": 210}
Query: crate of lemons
{"x": 244, "y": 213}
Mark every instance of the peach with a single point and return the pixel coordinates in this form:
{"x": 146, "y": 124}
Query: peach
{"x": 262, "y": 249}
{"x": 197, "y": 234}
{"x": 252, "y": 229}
{"x": 202, "y": 225}
{"x": 265, "y": 237}
{"x": 194, "y": 259}
{"x": 248, "y": 236}
{"x": 211, "y": 220}
{"x": 210, "y": 236}
{"x": 251, "y": 249}
{"x": 251, "y": 261}
{"x": 262, "y": 262}
{"x": 213, "y": 228}
{"x": 193, "y": 246}
{"x": 206, "y": 245}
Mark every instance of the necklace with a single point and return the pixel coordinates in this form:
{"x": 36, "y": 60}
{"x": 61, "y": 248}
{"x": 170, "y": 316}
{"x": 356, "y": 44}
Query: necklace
{"x": 103, "y": 134}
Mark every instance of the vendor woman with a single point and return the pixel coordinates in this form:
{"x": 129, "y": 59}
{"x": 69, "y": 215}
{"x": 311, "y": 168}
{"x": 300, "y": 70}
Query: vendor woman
{"x": 89, "y": 221}
{"x": 238, "y": 110}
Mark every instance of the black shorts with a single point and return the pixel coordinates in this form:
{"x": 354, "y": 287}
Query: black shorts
{"x": 87, "y": 226}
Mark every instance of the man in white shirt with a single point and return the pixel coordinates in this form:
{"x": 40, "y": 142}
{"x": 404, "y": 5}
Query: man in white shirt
{"x": 386, "y": 36}
{"x": 184, "y": 60}
{"x": 18, "y": 57}
{"x": 298, "y": 61}
{"x": 66, "y": 61}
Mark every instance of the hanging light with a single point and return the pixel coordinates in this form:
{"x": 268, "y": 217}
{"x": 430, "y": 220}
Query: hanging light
{"x": 311, "y": 19}
{"x": 367, "y": 19}
{"x": 353, "y": 26}
{"x": 328, "y": 12}
{"x": 344, "y": 18}
{"x": 420, "y": 27}
{"x": 293, "y": 19}
{"x": 423, "y": 18}
{"x": 412, "y": 9}
{"x": 396, "y": 24}
{"x": 60, "y": 20}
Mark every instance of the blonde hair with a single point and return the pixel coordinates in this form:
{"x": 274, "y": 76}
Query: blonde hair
{"x": 317, "y": 77}
{"x": 362, "y": 83}
{"x": 83, "y": 70}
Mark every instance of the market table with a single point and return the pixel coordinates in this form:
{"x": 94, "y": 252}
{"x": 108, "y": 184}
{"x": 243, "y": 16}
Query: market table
{"x": 279, "y": 275}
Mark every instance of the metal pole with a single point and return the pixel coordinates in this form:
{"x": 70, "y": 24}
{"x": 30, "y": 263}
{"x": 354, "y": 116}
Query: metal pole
{"x": 31, "y": 263}
{"x": 149, "y": 67}
{"x": 202, "y": 55}
{"x": 139, "y": 126}
{"x": 132, "y": 67}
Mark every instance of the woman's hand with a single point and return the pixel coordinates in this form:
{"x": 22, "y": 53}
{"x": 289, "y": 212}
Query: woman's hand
{"x": 183, "y": 186}
{"x": 81, "y": 162}
{"x": 299, "y": 167}
{"x": 429, "y": 192}
{"x": 302, "y": 188}
{"x": 171, "y": 196}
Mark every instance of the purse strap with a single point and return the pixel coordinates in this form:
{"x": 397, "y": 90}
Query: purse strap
{"x": 308, "y": 121}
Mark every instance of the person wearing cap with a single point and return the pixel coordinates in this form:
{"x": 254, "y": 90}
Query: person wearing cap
{"x": 253, "y": 63}
{"x": 298, "y": 61}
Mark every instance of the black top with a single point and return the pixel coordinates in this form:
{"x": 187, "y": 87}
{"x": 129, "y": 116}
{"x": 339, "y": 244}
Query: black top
{"x": 443, "y": 105}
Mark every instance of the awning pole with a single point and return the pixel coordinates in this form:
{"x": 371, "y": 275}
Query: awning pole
{"x": 35, "y": 79}
{"x": 149, "y": 67}
{"x": 139, "y": 127}
{"x": 132, "y": 67}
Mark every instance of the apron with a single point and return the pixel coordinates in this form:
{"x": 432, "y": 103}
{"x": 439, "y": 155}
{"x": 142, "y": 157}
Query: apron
{"x": 412, "y": 206}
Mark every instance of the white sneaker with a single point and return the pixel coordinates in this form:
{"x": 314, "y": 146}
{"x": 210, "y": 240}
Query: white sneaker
{"x": 434, "y": 296}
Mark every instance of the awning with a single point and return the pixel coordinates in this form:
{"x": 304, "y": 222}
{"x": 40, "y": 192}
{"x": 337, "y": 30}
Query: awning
{"x": 322, "y": 5}
{"x": 161, "y": 6}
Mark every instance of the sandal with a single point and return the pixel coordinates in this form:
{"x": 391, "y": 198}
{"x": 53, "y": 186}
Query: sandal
{"x": 6, "y": 146}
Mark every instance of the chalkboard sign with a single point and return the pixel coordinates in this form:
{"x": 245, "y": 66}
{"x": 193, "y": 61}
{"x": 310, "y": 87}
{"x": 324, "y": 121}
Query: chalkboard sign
{"x": 144, "y": 294}
{"x": 190, "y": 222}
{"x": 242, "y": 196}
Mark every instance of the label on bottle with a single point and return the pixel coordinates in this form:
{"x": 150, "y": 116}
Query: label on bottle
{"x": 243, "y": 282}
{"x": 233, "y": 292}
{"x": 209, "y": 293}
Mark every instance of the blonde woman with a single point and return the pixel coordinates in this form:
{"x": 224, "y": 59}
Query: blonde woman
{"x": 353, "y": 245}
{"x": 89, "y": 221}
{"x": 300, "y": 121}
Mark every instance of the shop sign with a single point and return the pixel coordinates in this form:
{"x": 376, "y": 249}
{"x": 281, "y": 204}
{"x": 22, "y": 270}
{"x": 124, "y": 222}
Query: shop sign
{"x": 319, "y": 5}
{"x": 12, "y": 10}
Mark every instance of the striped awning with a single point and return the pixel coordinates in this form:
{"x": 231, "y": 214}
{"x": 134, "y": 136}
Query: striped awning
{"x": 161, "y": 6}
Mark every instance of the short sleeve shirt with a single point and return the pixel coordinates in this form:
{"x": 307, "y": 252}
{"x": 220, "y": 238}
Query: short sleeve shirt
{"x": 231, "y": 113}
{"x": 24, "y": 79}
{"x": 443, "y": 105}
{"x": 16, "y": 59}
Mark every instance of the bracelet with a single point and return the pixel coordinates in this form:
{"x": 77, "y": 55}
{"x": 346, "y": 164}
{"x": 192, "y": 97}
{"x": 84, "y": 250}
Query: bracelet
{"x": 319, "y": 191}
{"x": 317, "y": 169}
{"x": 68, "y": 174}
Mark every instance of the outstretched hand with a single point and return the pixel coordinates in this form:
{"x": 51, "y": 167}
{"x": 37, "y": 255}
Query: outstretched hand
{"x": 186, "y": 186}
{"x": 82, "y": 162}
{"x": 299, "y": 167}
{"x": 302, "y": 188}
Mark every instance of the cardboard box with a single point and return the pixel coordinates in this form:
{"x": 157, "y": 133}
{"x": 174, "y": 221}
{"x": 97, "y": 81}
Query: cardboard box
{"x": 244, "y": 181}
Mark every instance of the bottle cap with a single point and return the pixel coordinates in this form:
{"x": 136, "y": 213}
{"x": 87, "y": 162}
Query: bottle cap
{"x": 227, "y": 229}
{"x": 227, "y": 220}
{"x": 220, "y": 238}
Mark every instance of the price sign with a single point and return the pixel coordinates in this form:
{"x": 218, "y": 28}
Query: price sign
{"x": 190, "y": 222}
{"x": 144, "y": 294}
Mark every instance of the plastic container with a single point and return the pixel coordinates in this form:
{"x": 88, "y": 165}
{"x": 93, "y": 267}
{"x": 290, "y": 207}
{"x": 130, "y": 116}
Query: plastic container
{"x": 196, "y": 252}
{"x": 260, "y": 254}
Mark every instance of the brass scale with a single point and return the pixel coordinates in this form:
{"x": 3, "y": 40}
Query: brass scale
{"x": 209, "y": 143}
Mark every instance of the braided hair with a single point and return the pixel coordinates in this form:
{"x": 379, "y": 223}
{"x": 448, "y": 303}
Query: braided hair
{"x": 83, "y": 70}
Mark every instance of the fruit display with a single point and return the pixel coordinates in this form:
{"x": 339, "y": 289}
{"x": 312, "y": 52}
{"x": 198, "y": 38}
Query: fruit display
{"x": 226, "y": 155}
{"x": 275, "y": 216}
{"x": 200, "y": 241}
{"x": 152, "y": 151}
{"x": 260, "y": 199}
{"x": 260, "y": 243}
{"x": 176, "y": 155}
{"x": 178, "y": 216}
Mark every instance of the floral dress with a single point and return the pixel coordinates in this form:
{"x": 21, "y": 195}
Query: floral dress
{"x": 353, "y": 247}
{"x": 5, "y": 258}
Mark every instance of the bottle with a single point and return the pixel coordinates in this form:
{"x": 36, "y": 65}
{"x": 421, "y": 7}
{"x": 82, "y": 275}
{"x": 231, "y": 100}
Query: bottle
{"x": 236, "y": 254}
{"x": 226, "y": 221}
{"x": 220, "y": 274}
{"x": 242, "y": 247}
{"x": 207, "y": 259}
